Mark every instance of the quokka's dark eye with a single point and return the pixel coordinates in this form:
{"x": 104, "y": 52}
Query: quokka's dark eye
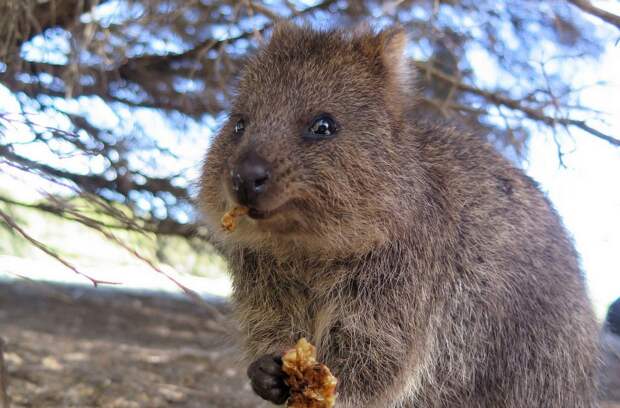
{"x": 321, "y": 127}
{"x": 239, "y": 127}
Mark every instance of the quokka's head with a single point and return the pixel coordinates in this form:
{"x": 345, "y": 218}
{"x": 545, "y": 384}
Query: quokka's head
{"x": 313, "y": 143}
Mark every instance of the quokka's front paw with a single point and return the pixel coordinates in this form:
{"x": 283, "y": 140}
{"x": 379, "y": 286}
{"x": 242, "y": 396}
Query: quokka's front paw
{"x": 267, "y": 379}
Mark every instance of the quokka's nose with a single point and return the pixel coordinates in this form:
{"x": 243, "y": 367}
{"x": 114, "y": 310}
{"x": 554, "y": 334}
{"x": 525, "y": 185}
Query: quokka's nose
{"x": 250, "y": 178}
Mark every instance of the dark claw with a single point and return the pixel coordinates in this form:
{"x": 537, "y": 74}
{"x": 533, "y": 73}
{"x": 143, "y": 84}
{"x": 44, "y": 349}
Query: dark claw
{"x": 267, "y": 379}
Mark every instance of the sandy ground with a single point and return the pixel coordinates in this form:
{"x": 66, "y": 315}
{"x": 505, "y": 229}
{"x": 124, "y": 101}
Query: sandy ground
{"x": 76, "y": 347}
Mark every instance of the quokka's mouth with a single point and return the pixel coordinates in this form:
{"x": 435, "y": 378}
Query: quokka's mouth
{"x": 258, "y": 214}
{"x": 261, "y": 214}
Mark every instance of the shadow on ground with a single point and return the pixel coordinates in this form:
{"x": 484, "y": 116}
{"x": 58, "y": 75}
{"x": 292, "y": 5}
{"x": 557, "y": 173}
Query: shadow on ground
{"x": 76, "y": 347}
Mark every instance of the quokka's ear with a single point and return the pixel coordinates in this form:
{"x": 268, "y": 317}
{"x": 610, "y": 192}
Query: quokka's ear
{"x": 393, "y": 43}
{"x": 282, "y": 27}
{"x": 387, "y": 49}
{"x": 282, "y": 32}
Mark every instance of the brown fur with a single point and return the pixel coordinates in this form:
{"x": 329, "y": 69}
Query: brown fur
{"x": 428, "y": 271}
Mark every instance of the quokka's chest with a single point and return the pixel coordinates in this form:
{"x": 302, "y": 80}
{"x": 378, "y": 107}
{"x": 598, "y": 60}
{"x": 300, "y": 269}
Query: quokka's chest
{"x": 292, "y": 312}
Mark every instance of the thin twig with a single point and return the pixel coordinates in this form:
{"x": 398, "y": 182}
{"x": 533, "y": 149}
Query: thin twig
{"x": 94, "y": 224}
{"x": 266, "y": 11}
{"x": 532, "y": 113}
{"x": 11, "y": 223}
{"x": 189, "y": 292}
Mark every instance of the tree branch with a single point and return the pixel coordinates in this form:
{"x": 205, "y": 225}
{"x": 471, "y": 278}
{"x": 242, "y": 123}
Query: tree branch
{"x": 153, "y": 61}
{"x": 531, "y": 113}
{"x": 164, "y": 227}
{"x": 61, "y": 13}
{"x": 50, "y": 13}
{"x": 13, "y": 225}
{"x": 94, "y": 183}
{"x": 604, "y": 15}
{"x": 134, "y": 70}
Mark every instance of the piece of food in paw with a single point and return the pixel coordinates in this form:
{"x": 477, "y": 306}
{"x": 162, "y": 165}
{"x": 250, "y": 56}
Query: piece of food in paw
{"x": 229, "y": 219}
{"x": 312, "y": 384}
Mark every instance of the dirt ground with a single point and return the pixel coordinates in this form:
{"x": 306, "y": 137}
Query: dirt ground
{"x": 77, "y": 347}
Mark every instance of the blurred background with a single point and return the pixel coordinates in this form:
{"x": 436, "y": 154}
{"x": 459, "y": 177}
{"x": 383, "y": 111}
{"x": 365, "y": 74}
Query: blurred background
{"x": 107, "y": 108}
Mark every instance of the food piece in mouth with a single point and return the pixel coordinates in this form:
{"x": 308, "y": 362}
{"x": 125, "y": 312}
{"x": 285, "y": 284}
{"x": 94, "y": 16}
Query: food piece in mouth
{"x": 312, "y": 384}
{"x": 229, "y": 219}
